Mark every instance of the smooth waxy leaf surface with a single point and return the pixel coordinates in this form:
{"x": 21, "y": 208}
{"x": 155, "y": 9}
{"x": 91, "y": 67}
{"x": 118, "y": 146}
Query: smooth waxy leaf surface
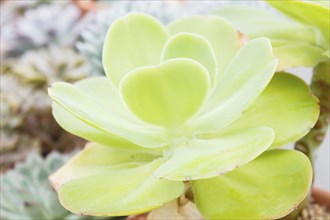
{"x": 322, "y": 2}
{"x": 95, "y": 157}
{"x": 294, "y": 44}
{"x": 221, "y": 35}
{"x": 295, "y": 54}
{"x": 193, "y": 46}
{"x": 287, "y": 105}
{"x": 78, "y": 127}
{"x": 208, "y": 158}
{"x": 307, "y": 13}
{"x": 133, "y": 41}
{"x": 238, "y": 87}
{"x": 269, "y": 187}
{"x": 104, "y": 92}
{"x": 167, "y": 94}
{"x": 104, "y": 181}
{"x": 98, "y": 115}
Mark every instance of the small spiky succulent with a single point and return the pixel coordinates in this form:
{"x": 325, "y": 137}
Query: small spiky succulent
{"x": 27, "y": 194}
{"x": 99, "y": 22}
{"x": 39, "y": 27}
{"x": 26, "y": 121}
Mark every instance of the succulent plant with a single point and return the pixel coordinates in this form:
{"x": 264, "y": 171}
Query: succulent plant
{"x": 39, "y": 27}
{"x": 26, "y": 120}
{"x": 185, "y": 107}
{"x": 26, "y": 193}
{"x": 92, "y": 37}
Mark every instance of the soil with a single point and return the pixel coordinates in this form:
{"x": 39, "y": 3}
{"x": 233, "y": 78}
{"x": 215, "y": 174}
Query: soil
{"x": 318, "y": 209}
{"x": 314, "y": 211}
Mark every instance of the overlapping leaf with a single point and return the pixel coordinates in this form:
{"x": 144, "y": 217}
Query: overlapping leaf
{"x": 294, "y": 44}
{"x": 104, "y": 181}
{"x": 269, "y": 187}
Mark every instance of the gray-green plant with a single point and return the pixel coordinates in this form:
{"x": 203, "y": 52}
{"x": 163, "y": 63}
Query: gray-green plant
{"x": 39, "y": 27}
{"x": 26, "y": 120}
{"x": 186, "y": 111}
{"x": 26, "y": 193}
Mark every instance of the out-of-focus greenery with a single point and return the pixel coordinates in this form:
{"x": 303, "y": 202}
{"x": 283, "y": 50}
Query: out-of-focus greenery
{"x": 37, "y": 25}
{"x": 26, "y": 120}
{"x": 26, "y": 193}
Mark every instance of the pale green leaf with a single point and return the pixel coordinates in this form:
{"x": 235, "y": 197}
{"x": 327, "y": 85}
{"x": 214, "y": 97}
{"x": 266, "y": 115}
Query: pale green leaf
{"x": 221, "y": 35}
{"x": 103, "y": 181}
{"x": 132, "y": 41}
{"x": 104, "y": 92}
{"x": 104, "y": 117}
{"x": 324, "y": 3}
{"x": 193, "y": 46}
{"x": 287, "y": 105}
{"x": 258, "y": 22}
{"x": 167, "y": 94}
{"x": 95, "y": 158}
{"x": 295, "y": 54}
{"x": 74, "y": 125}
{"x": 307, "y": 13}
{"x": 294, "y": 44}
{"x": 205, "y": 158}
{"x": 269, "y": 187}
{"x": 242, "y": 83}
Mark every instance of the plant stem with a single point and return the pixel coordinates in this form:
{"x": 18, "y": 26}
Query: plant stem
{"x": 321, "y": 88}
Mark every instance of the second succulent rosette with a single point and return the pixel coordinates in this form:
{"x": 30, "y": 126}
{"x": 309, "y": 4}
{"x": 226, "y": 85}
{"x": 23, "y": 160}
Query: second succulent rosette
{"x": 183, "y": 103}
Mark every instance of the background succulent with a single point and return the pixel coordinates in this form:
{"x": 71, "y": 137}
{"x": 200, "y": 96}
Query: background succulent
{"x": 26, "y": 121}
{"x": 27, "y": 194}
{"x": 38, "y": 27}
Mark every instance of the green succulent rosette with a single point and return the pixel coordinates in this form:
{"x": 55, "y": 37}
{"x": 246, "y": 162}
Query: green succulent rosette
{"x": 185, "y": 103}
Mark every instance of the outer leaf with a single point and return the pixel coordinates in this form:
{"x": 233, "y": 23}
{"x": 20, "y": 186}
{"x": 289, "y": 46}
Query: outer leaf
{"x": 133, "y": 41}
{"x": 294, "y": 54}
{"x": 103, "y": 181}
{"x": 288, "y": 38}
{"x": 104, "y": 92}
{"x": 168, "y": 94}
{"x": 307, "y": 13}
{"x": 89, "y": 109}
{"x": 199, "y": 159}
{"x": 95, "y": 158}
{"x": 193, "y": 46}
{"x": 222, "y": 36}
{"x": 257, "y": 22}
{"x": 74, "y": 125}
{"x": 269, "y": 187}
{"x": 324, "y": 3}
{"x": 287, "y": 105}
{"x": 241, "y": 84}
